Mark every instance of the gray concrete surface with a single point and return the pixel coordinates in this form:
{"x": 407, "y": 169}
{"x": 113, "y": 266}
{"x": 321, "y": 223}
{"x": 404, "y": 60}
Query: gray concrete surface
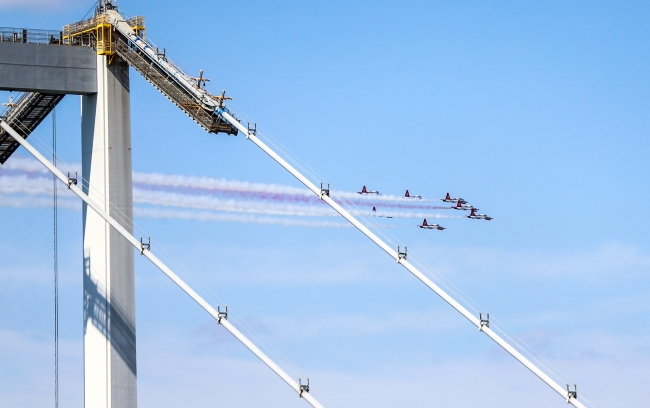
{"x": 47, "y": 68}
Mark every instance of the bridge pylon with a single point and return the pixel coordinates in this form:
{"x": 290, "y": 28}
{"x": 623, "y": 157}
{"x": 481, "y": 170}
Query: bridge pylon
{"x": 110, "y": 369}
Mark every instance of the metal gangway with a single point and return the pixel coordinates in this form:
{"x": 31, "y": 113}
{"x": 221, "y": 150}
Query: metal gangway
{"x": 24, "y": 115}
{"x": 102, "y": 33}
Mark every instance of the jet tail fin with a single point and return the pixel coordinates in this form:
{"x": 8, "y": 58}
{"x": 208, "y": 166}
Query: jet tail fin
{"x": 407, "y": 194}
{"x": 424, "y": 223}
{"x": 448, "y": 197}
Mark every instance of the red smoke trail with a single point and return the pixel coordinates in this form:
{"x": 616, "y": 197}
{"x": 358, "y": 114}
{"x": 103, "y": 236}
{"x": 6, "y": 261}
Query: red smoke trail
{"x": 282, "y": 197}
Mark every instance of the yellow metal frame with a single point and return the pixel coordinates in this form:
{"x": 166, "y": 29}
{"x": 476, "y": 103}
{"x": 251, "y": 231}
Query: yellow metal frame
{"x": 98, "y": 31}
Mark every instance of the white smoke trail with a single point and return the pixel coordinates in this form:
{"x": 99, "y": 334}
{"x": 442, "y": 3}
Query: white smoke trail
{"x": 25, "y": 185}
{"x": 246, "y": 219}
{"x": 167, "y": 199}
{"x": 30, "y": 165}
{"x": 214, "y": 184}
{"x": 208, "y": 183}
{"x": 42, "y": 186}
{"x": 404, "y": 214}
{"x": 37, "y": 202}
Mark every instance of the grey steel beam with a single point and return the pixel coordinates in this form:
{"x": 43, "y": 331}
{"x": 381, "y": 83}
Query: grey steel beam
{"x": 52, "y": 69}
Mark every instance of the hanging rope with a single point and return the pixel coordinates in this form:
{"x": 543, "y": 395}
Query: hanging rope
{"x": 56, "y": 269}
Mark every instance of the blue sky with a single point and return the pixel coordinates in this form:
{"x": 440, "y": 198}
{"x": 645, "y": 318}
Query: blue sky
{"x": 535, "y": 112}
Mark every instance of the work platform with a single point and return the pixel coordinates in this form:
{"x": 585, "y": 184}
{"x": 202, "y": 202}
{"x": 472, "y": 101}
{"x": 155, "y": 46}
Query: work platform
{"x": 50, "y": 64}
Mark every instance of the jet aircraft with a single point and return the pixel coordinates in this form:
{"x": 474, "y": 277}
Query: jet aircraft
{"x": 448, "y": 199}
{"x": 461, "y": 206}
{"x": 364, "y": 191}
{"x": 374, "y": 213}
{"x": 407, "y": 195}
{"x": 430, "y": 226}
{"x": 474, "y": 216}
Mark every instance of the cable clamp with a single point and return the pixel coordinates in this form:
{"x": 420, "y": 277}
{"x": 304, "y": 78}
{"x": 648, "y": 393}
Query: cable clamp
{"x": 251, "y": 130}
{"x": 324, "y": 191}
{"x": 303, "y": 387}
{"x": 484, "y": 322}
{"x": 161, "y": 55}
{"x": 145, "y": 246}
{"x": 72, "y": 180}
{"x": 401, "y": 255}
{"x": 571, "y": 394}
{"x": 222, "y": 315}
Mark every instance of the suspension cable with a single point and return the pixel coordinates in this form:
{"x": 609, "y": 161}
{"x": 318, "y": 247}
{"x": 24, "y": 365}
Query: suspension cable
{"x": 56, "y": 267}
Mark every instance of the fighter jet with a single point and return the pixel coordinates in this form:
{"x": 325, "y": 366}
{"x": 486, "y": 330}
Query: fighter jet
{"x": 430, "y": 226}
{"x": 448, "y": 199}
{"x": 364, "y": 191}
{"x": 474, "y": 216}
{"x": 374, "y": 213}
{"x": 460, "y": 206}
{"x": 407, "y": 195}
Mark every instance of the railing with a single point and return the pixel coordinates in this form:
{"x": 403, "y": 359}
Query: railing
{"x": 30, "y": 36}
{"x": 85, "y": 26}
{"x": 97, "y": 32}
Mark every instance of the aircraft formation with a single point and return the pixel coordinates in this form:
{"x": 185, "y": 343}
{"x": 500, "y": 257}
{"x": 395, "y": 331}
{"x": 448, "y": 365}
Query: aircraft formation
{"x": 460, "y": 204}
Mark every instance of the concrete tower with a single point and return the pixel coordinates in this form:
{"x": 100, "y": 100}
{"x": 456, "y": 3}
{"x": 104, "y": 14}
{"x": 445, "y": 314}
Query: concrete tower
{"x": 109, "y": 286}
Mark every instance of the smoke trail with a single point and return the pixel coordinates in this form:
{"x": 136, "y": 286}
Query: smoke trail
{"x": 212, "y": 203}
{"x": 37, "y": 202}
{"x": 191, "y": 185}
{"x": 25, "y": 185}
{"x": 32, "y": 184}
{"x": 33, "y": 166}
{"x": 246, "y": 219}
{"x": 207, "y": 183}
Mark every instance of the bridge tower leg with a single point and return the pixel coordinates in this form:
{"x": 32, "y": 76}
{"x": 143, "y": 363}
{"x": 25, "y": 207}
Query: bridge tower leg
{"x": 109, "y": 287}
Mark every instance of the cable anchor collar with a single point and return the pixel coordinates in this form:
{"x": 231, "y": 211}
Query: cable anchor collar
{"x": 324, "y": 191}
{"x": 303, "y": 387}
{"x": 222, "y": 315}
{"x": 145, "y": 246}
{"x": 401, "y": 255}
{"x": 72, "y": 180}
{"x": 483, "y": 322}
{"x": 571, "y": 394}
{"x": 251, "y": 130}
